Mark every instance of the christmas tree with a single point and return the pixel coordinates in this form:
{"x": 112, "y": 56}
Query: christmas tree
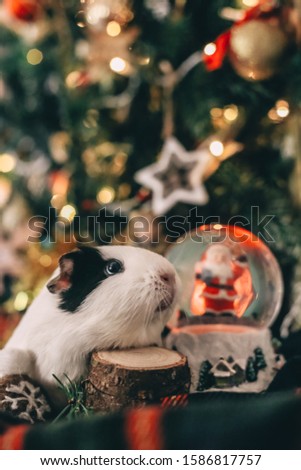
{"x": 93, "y": 91}
{"x": 259, "y": 359}
{"x": 251, "y": 372}
{"x": 205, "y": 379}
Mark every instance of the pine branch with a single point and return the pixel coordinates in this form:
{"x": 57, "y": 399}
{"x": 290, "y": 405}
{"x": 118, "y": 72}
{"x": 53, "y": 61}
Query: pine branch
{"x": 75, "y": 397}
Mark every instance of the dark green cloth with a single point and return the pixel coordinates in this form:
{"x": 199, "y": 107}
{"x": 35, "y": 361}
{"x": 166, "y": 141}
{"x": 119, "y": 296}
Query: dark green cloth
{"x": 210, "y": 421}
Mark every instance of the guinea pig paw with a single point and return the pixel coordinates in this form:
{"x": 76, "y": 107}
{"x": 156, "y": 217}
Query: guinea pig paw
{"x": 16, "y": 361}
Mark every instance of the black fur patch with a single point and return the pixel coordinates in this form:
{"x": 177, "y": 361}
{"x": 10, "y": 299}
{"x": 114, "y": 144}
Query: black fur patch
{"x": 88, "y": 272}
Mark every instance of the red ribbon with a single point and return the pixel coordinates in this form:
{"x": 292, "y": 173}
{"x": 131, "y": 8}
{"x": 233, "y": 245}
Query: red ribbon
{"x": 215, "y": 60}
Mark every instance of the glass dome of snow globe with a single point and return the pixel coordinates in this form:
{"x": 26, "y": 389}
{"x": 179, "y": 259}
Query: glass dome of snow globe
{"x": 229, "y": 277}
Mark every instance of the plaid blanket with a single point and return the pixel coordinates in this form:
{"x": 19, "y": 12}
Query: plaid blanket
{"x": 208, "y": 421}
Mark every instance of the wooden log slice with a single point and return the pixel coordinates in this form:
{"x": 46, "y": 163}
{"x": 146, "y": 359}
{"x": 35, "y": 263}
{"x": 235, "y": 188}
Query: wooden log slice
{"x": 133, "y": 377}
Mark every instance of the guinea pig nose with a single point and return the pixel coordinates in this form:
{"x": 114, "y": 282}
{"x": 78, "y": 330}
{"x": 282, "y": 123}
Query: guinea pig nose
{"x": 167, "y": 278}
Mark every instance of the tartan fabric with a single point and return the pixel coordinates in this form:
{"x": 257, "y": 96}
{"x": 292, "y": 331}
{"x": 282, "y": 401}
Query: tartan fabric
{"x": 13, "y": 438}
{"x": 208, "y": 421}
{"x": 143, "y": 429}
{"x": 12, "y": 433}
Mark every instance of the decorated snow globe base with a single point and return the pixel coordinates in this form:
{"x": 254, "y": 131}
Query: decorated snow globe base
{"x": 229, "y": 359}
{"x": 232, "y": 292}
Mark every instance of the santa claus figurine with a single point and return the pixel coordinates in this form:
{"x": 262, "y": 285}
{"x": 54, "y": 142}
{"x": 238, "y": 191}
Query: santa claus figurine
{"x": 223, "y": 285}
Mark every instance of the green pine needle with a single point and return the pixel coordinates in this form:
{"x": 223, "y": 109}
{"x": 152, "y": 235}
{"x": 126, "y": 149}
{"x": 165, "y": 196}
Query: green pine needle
{"x": 75, "y": 396}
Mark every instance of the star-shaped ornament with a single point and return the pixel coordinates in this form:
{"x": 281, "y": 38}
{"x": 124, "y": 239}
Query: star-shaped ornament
{"x": 176, "y": 177}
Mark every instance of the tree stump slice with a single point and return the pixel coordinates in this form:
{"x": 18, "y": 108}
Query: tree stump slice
{"x": 135, "y": 377}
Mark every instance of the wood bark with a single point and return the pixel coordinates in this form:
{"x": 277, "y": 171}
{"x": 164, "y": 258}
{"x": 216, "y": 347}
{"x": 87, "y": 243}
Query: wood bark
{"x": 134, "y": 377}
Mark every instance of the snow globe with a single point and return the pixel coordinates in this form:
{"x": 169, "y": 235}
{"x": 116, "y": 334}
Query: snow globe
{"x": 232, "y": 292}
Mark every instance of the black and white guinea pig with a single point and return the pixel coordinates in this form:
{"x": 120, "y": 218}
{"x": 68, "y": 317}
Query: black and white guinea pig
{"x": 98, "y": 298}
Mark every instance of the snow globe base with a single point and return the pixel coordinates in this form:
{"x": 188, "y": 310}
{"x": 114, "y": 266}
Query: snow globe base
{"x": 226, "y": 358}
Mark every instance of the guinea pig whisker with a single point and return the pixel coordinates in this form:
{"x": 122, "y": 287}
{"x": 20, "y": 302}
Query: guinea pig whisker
{"x": 151, "y": 314}
{"x": 150, "y": 310}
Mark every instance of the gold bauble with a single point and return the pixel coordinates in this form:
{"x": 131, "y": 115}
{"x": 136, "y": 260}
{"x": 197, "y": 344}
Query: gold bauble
{"x": 257, "y": 49}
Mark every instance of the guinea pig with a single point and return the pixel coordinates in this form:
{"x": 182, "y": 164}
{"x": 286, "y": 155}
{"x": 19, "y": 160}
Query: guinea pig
{"x": 98, "y": 298}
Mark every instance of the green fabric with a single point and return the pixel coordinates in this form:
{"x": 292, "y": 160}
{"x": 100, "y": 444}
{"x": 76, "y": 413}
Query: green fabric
{"x": 210, "y": 421}
{"x": 101, "y": 432}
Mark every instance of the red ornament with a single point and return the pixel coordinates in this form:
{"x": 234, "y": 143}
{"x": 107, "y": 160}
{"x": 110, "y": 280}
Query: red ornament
{"x": 25, "y": 10}
{"x": 261, "y": 11}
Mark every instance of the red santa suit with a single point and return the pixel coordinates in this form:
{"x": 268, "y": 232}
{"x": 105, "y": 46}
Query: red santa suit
{"x": 214, "y": 289}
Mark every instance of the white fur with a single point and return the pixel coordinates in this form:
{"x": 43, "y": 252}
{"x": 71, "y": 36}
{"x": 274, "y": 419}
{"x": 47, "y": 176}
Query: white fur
{"x": 16, "y": 361}
{"x": 119, "y": 313}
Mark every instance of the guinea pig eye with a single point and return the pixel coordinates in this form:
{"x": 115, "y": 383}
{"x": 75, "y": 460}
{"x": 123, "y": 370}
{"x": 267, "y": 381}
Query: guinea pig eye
{"x": 113, "y": 266}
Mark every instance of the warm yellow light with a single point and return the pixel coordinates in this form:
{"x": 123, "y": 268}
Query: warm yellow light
{"x": 117, "y": 64}
{"x": 250, "y": 3}
{"x": 80, "y": 19}
{"x": 272, "y": 114}
{"x": 217, "y": 226}
{"x": 57, "y": 201}
{"x": 34, "y": 56}
{"x": 73, "y": 78}
{"x": 21, "y": 301}
{"x": 5, "y": 191}
{"x": 144, "y": 60}
{"x": 282, "y": 103}
{"x": 106, "y": 195}
{"x": 118, "y": 165}
{"x": 59, "y": 145}
{"x": 60, "y": 184}
{"x": 216, "y": 113}
{"x": 216, "y": 148}
{"x": 282, "y": 108}
{"x": 231, "y": 113}
{"x": 45, "y": 261}
{"x": 105, "y": 149}
{"x": 123, "y": 12}
{"x": 113, "y": 28}
{"x": 210, "y": 48}
{"x": 7, "y": 162}
{"x": 68, "y": 212}
{"x": 96, "y": 13}
{"x": 282, "y": 111}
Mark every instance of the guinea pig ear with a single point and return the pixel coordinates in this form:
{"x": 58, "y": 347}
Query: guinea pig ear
{"x": 62, "y": 282}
